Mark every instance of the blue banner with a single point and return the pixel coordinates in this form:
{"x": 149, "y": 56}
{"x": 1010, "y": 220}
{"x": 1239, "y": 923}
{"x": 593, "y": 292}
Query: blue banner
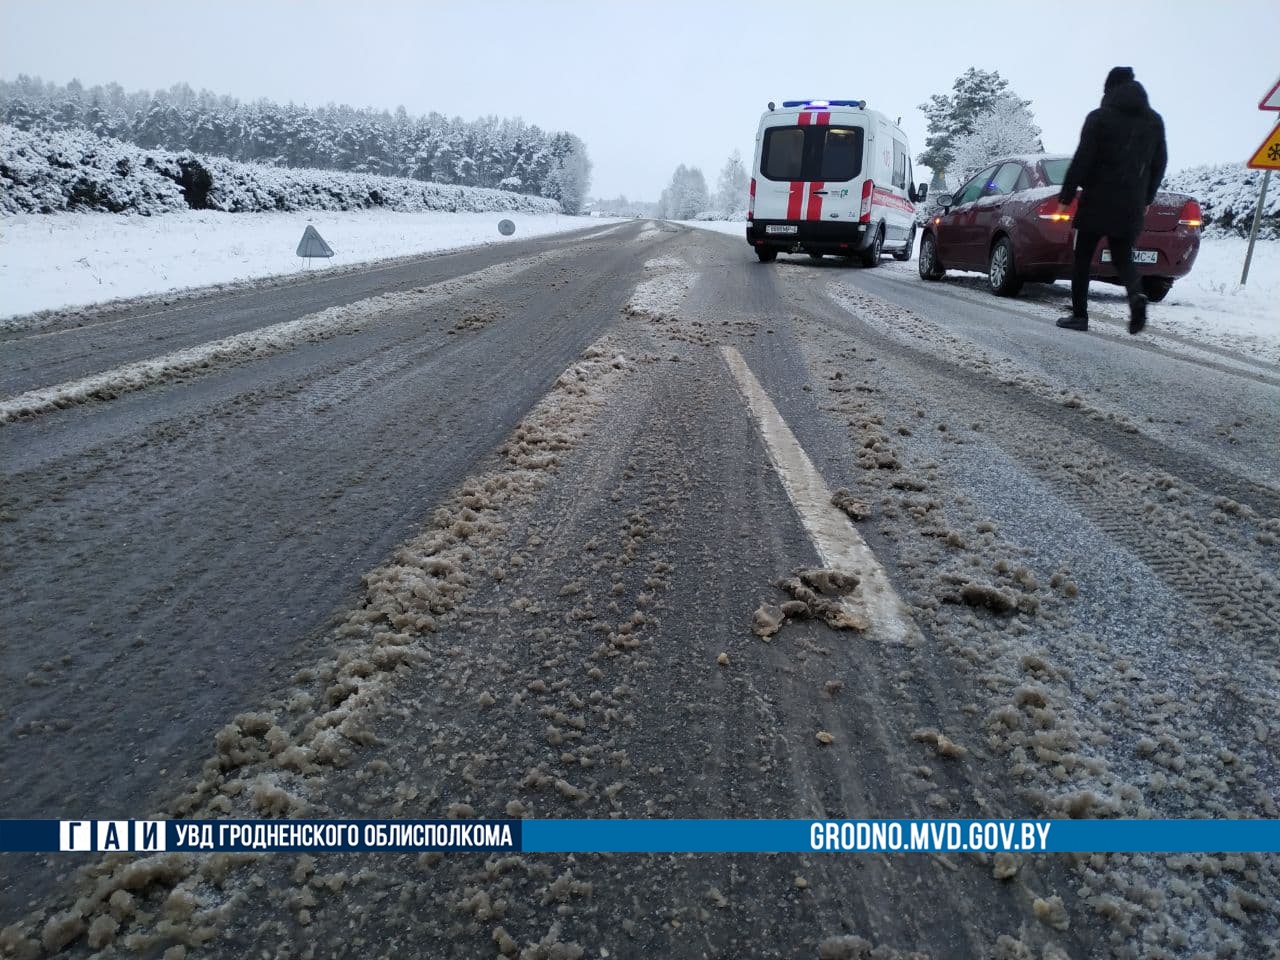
{"x": 903, "y": 836}
{"x": 644, "y": 836}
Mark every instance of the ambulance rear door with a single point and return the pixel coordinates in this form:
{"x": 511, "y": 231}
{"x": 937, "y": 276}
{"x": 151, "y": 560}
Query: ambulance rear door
{"x": 809, "y": 165}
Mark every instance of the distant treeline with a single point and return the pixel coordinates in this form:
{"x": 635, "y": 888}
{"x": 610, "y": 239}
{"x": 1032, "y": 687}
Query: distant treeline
{"x": 507, "y": 154}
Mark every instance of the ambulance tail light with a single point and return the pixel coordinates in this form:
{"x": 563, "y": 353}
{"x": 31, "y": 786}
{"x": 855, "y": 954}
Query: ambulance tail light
{"x": 751, "y": 201}
{"x": 868, "y": 191}
{"x": 1191, "y": 215}
{"x": 1053, "y": 211}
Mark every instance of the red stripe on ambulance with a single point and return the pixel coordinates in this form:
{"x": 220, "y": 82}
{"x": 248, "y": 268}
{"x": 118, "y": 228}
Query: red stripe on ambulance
{"x": 795, "y": 200}
{"x": 814, "y": 212}
{"x": 885, "y": 198}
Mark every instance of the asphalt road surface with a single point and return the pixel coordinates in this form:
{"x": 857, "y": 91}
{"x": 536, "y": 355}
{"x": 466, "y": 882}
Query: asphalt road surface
{"x": 548, "y": 530}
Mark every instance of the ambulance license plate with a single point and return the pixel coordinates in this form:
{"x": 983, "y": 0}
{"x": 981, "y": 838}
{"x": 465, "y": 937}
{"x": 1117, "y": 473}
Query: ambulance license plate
{"x": 781, "y": 228}
{"x": 1139, "y": 256}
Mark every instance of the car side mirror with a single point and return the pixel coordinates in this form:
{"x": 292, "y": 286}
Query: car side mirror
{"x": 945, "y": 200}
{"x": 922, "y": 191}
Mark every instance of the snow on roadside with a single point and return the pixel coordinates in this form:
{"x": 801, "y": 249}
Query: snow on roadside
{"x": 65, "y": 260}
{"x": 1209, "y": 303}
{"x": 734, "y": 228}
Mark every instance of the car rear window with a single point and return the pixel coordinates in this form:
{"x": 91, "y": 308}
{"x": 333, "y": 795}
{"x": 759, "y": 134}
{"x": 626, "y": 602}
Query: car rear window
{"x": 811, "y": 153}
{"x": 1055, "y": 171}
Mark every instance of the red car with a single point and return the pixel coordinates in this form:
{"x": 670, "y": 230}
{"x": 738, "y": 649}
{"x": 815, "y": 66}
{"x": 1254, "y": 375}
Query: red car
{"x": 1007, "y": 222}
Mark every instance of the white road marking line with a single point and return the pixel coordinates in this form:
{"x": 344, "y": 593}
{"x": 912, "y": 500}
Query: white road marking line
{"x": 839, "y": 545}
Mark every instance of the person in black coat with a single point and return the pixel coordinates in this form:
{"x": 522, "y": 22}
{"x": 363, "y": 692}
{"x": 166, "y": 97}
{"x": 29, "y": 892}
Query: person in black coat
{"x": 1119, "y": 164}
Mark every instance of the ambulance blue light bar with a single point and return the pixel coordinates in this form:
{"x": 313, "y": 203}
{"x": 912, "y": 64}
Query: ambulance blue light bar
{"x": 860, "y": 104}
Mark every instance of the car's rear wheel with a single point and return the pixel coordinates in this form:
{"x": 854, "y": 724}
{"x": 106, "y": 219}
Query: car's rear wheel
{"x": 766, "y": 254}
{"x": 871, "y": 258}
{"x": 930, "y": 268}
{"x": 1156, "y": 288}
{"x": 905, "y": 253}
{"x": 1002, "y": 273}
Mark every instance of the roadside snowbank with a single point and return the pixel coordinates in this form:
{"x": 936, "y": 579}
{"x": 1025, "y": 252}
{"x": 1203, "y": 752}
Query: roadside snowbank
{"x": 1209, "y": 301}
{"x": 63, "y": 260}
{"x": 735, "y": 228}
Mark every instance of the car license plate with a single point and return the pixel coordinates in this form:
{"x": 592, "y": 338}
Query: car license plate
{"x": 1139, "y": 256}
{"x": 781, "y": 228}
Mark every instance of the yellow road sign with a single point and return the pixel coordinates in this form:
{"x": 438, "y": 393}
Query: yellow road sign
{"x": 1267, "y": 156}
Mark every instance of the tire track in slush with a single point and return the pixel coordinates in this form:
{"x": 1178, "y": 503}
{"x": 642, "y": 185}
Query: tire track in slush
{"x": 254, "y": 344}
{"x": 1096, "y": 479}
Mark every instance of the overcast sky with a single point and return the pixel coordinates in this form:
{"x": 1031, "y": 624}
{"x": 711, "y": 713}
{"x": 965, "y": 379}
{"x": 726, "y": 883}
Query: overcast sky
{"x": 649, "y": 85}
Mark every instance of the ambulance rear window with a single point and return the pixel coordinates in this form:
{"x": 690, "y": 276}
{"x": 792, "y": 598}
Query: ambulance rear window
{"x": 811, "y": 153}
{"x": 841, "y": 153}
{"x": 783, "y": 153}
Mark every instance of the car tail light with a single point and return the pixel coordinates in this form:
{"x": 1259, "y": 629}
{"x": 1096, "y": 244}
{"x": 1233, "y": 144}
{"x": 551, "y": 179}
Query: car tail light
{"x": 751, "y": 203}
{"x": 1051, "y": 209}
{"x": 868, "y": 190}
{"x": 1190, "y": 215}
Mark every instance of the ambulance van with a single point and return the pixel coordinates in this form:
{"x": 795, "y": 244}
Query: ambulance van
{"x": 831, "y": 177}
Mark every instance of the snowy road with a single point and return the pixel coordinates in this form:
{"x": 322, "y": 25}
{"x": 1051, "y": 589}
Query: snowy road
{"x": 547, "y": 530}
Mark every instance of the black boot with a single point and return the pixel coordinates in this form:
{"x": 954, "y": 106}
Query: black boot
{"x": 1073, "y": 322}
{"x": 1137, "y": 312}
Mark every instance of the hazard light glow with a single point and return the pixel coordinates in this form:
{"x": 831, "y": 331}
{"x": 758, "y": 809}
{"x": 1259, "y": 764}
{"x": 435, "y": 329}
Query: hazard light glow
{"x": 1190, "y": 215}
{"x": 1053, "y": 211}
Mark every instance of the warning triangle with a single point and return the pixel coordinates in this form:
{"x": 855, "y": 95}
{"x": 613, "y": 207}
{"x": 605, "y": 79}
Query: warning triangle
{"x": 1272, "y": 100}
{"x": 313, "y": 245}
{"x": 1267, "y": 156}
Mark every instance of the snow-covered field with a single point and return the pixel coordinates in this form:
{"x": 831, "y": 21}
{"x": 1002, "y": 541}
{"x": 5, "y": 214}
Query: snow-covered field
{"x": 62, "y": 260}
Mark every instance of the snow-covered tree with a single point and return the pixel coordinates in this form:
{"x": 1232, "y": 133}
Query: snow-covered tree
{"x": 47, "y": 171}
{"x": 484, "y": 152}
{"x": 570, "y": 173}
{"x": 951, "y": 116}
{"x": 1006, "y": 128}
{"x": 686, "y": 196}
{"x": 731, "y": 188}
